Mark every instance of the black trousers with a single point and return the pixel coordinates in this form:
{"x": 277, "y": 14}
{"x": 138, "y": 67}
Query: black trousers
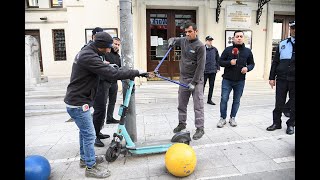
{"x": 211, "y": 77}
{"x": 282, "y": 88}
{"x": 113, "y": 91}
{"x": 286, "y": 108}
{"x": 105, "y": 91}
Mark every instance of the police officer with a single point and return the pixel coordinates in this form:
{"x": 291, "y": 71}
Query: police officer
{"x": 282, "y": 75}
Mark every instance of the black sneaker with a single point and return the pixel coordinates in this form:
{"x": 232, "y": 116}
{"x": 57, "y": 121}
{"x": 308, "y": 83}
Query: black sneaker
{"x": 103, "y": 136}
{"x": 97, "y": 172}
{"x": 98, "y": 142}
{"x": 112, "y": 121}
{"x": 99, "y": 160}
{"x": 199, "y": 133}
{"x": 179, "y": 128}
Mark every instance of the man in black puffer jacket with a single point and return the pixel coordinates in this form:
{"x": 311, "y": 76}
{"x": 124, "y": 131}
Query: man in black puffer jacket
{"x": 237, "y": 60}
{"x": 282, "y": 75}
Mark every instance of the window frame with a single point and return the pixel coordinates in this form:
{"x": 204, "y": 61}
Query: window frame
{"x": 29, "y": 6}
{"x": 54, "y": 45}
{"x": 88, "y": 33}
{"x": 52, "y": 6}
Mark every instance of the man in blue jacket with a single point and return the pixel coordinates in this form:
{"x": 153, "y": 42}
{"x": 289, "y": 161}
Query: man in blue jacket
{"x": 282, "y": 75}
{"x": 237, "y": 61}
{"x": 211, "y": 68}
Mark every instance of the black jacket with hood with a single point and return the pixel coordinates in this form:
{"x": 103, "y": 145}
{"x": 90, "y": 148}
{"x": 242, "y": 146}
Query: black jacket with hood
{"x": 86, "y": 69}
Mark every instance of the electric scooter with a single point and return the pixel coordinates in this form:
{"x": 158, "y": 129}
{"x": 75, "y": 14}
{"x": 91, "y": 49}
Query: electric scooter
{"x": 122, "y": 142}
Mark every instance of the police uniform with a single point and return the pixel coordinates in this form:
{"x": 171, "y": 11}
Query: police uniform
{"x": 283, "y": 71}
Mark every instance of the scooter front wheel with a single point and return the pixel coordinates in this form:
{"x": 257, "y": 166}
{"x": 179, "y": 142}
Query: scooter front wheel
{"x": 112, "y": 153}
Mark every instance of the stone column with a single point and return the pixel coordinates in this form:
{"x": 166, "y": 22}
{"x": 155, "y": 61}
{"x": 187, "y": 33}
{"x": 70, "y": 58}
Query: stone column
{"x": 32, "y": 65}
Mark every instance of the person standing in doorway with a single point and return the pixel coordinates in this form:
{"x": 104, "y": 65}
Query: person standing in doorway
{"x": 237, "y": 61}
{"x": 193, "y": 54}
{"x": 211, "y": 67}
{"x": 282, "y": 75}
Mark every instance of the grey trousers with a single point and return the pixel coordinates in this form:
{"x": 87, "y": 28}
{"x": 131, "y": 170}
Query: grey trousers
{"x": 198, "y": 106}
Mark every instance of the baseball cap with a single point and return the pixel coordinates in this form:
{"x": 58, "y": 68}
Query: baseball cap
{"x": 97, "y": 29}
{"x": 209, "y": 38}
{"x": 103, "y": 40}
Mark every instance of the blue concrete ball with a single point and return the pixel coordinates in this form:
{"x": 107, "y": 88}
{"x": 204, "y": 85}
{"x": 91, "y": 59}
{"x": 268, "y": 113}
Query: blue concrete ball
{"x": 37, "y": 168}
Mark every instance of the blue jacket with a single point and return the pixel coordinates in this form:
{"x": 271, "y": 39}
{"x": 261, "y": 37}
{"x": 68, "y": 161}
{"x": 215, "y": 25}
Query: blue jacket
{"x": 244, "y": 59}
{"x": 212, "y": 60}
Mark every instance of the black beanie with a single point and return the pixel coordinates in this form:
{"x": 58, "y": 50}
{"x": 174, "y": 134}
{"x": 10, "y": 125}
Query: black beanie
{"x": 97, "y": 29}
{"x": 103, "y": 40}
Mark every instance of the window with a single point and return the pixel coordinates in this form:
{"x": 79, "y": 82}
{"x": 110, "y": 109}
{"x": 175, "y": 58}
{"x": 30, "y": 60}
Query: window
{"x": 32, "y": 3}
{"x": 59, "y": 45}
{"x": 56, "y": 3}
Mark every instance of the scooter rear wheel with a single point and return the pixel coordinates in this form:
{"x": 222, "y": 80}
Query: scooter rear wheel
{"x": 112, "y": 154}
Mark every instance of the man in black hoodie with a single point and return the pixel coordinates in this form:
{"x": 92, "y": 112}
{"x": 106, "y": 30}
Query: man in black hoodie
{"x": 237, "y": 60}
{"x": 87, "y": 66}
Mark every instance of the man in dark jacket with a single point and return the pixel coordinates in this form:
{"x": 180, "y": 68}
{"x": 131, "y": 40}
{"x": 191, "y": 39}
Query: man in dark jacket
{"x": 191, "y": 72}
{"x": 282, "y": 75}
{"x": 114, "y": 59}
{"x": 87, "y": 66}
{"x": 211, "y": 68}
{"x": 237, "y": 60}
{"x": 107, "y": 90}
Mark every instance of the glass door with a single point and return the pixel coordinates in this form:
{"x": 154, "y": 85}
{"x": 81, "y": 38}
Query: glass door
{"x": 162, "y": 25}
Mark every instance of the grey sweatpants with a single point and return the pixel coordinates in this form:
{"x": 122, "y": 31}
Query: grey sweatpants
{"x": 183, "y": 100}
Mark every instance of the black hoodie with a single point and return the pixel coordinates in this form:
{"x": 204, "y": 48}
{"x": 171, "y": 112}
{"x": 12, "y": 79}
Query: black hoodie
{"x": 86, "y": 69}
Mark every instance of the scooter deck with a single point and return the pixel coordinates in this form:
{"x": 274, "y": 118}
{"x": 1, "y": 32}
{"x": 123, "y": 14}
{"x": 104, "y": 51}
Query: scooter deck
{"x": 151, "y": 147}
{"x": 153, "y": 143}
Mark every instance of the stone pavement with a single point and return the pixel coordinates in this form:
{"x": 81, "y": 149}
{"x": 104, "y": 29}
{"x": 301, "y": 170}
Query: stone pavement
{"x": 247, "y": 151}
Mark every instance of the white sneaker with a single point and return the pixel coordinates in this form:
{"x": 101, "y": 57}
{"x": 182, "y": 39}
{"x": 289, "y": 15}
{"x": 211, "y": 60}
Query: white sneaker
{"x": 232, "y": 122}
{"x": 221, "y": 123}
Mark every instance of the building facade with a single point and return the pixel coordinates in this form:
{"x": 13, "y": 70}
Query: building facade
{"x": 63, "y": 26}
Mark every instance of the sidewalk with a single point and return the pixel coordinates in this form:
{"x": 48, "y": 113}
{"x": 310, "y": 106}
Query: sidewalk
{"x": 247, "y": 151}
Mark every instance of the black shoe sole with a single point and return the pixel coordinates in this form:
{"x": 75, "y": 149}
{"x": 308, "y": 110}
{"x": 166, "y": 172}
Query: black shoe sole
{"x": 290, "y": 133}
{"x": 269, "y": 129}
{"x": 104, "y": 137}
{"x": 98, "y": 145}
{"x": 211, "y": 103}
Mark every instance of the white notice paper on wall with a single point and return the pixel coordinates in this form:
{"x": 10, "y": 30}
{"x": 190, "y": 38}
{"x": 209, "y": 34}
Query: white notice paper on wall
{"x": 154, "y": 40}
{"x": 160, "y": 41}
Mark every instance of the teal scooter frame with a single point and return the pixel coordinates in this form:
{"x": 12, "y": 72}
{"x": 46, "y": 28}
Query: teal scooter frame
{"x": 122, "y": 142}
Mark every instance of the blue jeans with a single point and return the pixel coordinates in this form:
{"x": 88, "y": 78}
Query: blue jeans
{"x": 87, "y": 135}
{"x": 227, "y": 86}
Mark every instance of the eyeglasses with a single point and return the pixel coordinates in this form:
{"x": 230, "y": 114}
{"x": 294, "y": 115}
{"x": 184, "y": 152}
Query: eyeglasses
{"x": 239, "y": 36}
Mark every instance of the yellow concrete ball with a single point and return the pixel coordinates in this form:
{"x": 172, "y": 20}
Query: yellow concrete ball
{"x": 180, "y": 160}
